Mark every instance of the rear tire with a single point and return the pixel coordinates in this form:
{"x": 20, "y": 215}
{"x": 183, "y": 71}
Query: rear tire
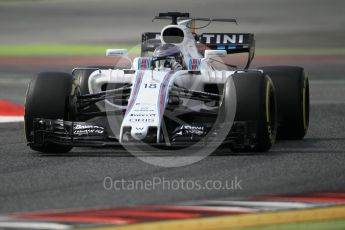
{"x": 47, "y": 97}
{"x": 292, "y": 87}
{"x": 256, "y": 102}
{"x": 84, "y": 74}
{"x": 82, "y": 77}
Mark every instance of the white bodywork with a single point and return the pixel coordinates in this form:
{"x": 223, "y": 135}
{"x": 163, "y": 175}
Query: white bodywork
{"x": 150, "y": 88}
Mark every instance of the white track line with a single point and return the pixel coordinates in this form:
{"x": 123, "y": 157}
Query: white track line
{"x": 212, "y": 208}
{"x": 33, "y": 225}
{"x": 271, "y": 204}
{"x": 9, "y": 119}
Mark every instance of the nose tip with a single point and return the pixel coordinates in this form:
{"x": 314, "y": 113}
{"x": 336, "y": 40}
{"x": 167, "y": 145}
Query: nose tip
{"x": 139, "y": 132}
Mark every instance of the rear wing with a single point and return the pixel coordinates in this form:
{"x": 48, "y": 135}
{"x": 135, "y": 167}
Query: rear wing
{"x": 231, "y": 42}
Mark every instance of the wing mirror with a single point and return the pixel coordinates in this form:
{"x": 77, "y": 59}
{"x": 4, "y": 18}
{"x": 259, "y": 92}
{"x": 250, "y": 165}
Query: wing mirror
{"x": 117, "y": 53}
{"x": 121, "y": 53}
{"x": 214, "y": 53}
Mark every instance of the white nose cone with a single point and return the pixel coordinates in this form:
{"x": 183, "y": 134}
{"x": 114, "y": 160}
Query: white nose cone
{"x": 139, "y": 132}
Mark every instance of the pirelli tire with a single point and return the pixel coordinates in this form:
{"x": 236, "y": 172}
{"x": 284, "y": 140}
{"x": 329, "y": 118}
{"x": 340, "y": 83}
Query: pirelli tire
{"x": 47, "y": 97}
{"x": 256, "y": 102}
{"x": 292, "y": 89}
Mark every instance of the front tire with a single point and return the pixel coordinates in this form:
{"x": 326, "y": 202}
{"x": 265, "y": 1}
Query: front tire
{"x": 47, "y": 97}
{"x": 256, "y": 101}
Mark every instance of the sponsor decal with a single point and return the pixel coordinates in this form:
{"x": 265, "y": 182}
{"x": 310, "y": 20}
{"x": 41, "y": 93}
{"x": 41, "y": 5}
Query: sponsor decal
{"x": 141, "y": 120}
{"x": 194, "y": 64}
{"x": 212, "y": 38}
{"x": 79, "y": 129}
{"x": 190, "y": 130}
{"x": 141, "y": 110}
{"x": 142, "y": 115}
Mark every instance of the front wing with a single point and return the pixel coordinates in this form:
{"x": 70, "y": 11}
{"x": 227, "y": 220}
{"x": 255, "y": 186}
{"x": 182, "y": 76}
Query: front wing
{"x": 87, "y": 134}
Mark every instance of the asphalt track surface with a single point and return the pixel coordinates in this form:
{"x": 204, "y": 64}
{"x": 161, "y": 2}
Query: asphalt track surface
{"x": 30, "y": 181}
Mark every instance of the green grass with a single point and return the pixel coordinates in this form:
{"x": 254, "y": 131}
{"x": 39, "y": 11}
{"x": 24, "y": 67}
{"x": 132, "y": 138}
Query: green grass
{"x": 61, "y": 49}
{"x": 300, "y": 51}
{"x": 99, "y": 50}
{"x": 322, "y": 225}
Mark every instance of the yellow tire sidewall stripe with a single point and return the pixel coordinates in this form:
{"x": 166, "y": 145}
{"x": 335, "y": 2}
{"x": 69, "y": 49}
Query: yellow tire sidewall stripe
{"x": 268, "y": 119}
{"x": 304, "y": 97}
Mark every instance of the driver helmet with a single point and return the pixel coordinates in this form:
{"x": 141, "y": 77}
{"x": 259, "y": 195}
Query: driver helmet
{"x": 168, "y": 56}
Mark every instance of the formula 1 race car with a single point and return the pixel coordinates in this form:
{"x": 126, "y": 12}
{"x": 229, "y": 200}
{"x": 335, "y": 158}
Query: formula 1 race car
{"x": 173, "y": 96}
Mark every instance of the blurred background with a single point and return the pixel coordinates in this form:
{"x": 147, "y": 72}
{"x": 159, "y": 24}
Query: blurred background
{"x": 276, "y": 23}
{"x": 41, "y": 35}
